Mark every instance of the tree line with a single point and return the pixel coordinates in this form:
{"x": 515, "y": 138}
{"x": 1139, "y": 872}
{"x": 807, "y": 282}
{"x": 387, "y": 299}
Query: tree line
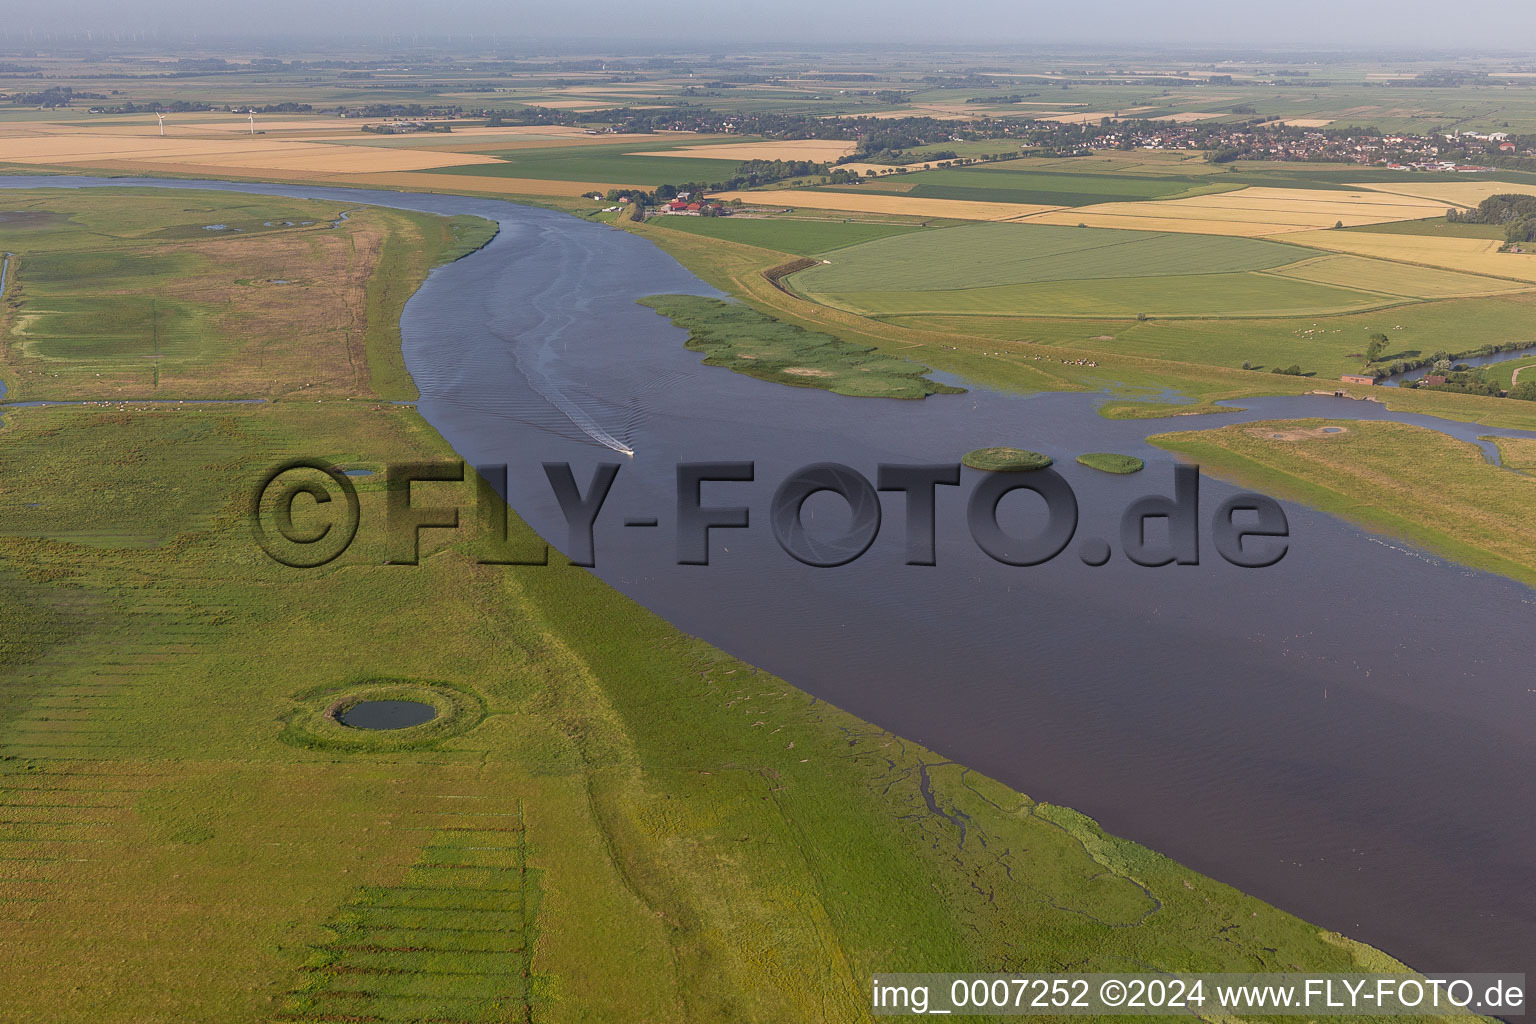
{"x": 1515, "y": 213}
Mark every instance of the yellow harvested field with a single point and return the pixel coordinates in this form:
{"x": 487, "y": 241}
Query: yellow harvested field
{"x": 1188, "y": 116}
{"x": 219, "y": 124}
{"x": 1090, "y": 116}
{"x": 234, "y": 151}
{"x": 1253, "y": 211}
{"x": 1471, "y": 255}
{"x": 812, "y": 199}
{"x": 937, "y": 115}
{"x": 1300, "y": 122}
{"x": 547, "y": 131}
{"x": 488, "y": 184}
{"x": 1083, "y": 215}
{"x": 1394, "y": 278}
{"x": 815, "y": 150}
{"x": 573, "y": 104}
{"x": 1461, "y": 193}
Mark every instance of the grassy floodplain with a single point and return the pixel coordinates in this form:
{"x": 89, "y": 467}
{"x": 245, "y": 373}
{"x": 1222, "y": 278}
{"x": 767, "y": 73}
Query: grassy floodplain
{"x": 740, "y": 338}
{"x": 622, "y": 822}
{"x": 130, "y": 294}
{"x": 1454, "y": 502}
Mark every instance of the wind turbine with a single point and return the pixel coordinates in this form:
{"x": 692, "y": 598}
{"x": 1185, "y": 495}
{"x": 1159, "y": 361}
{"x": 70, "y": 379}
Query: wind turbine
{"x": 252, "y": 112}
{"x": 162, "y": 122}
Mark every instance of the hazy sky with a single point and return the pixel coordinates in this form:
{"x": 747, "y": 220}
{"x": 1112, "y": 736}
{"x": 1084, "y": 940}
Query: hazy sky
{"x": 1508, "y": 25}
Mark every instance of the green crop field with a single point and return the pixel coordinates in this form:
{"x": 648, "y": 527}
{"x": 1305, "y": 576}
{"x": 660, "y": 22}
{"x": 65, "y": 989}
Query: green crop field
{"x": 600, "y": 163}
{"x": 1185, "y": 295}
{"x": 1433, "y": 226}
{"x": 984, "y": 255}
{"x": 1006, "y": 183}
{"x": 1400, "y": 279}
{"x": 797, "y": 237}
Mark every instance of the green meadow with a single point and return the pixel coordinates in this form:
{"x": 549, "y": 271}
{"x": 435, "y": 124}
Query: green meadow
{"x": 1328, "y": 344}
{"x": 796, "y": 237}
{"x": 1189, "y": 295}
{"x": 1005, "y": 182}
{"x": 1036, "y": 270}
{"x": 986, "y": 255}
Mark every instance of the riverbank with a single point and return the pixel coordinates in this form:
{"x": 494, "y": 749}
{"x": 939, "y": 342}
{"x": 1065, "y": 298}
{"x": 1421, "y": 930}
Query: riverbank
{"x": 1453, "y": 502}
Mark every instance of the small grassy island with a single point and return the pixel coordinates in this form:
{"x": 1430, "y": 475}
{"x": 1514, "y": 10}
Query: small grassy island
{"x": 1109, "y": 462}
{"x": 1006, "y": 460}
{"x": 740, "y": 338}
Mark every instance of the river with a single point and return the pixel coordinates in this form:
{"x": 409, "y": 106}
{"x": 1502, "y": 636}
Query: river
{"x": 1347, "y": 734}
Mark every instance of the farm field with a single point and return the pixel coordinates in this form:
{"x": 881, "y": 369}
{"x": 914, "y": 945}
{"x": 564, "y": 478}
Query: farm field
{"x": 1461, "y": 193}
{"x": 799, "y": 237}
{"x": 1437, "y": 226}
{"x": 813, "y": 150}
{"x": 1276, "y": 209}
{"x": 143, "y": 147}
{"x": 1032, "y": 270}
{"x": 174, "y": 810}
{"x": 1471, "y": 255}
{"x": 1003, "y": 183}
{"x": 637, "y": 163}
{"x": 1385, "y": 276}
{"x": 1187, "y": 295}
{"x": 854, "y": 202}
{"x": 993, "y": 254}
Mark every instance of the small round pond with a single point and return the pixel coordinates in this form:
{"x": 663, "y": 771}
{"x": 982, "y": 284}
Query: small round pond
{"x": 387, "y": 714}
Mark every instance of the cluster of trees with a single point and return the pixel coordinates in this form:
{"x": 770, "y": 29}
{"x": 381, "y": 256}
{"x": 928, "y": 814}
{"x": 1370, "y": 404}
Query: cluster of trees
{"x": 175, "y": 107}
{"x": 764, "y": 172}
{"x": 1449, "y": 365}
{"x": 1443, "y": 80}
{"x": 403, "y": 110}
{"x": 53, "y": 96}
{"x": 1466, "y": 382}
{"x": 1483, "y": 382}
{"x": 1516, "y": 213}
{"x": 395, "y": 129}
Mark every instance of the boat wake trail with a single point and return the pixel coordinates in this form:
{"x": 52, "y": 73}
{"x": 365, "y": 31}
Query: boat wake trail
{"x": 557, "y": 397}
